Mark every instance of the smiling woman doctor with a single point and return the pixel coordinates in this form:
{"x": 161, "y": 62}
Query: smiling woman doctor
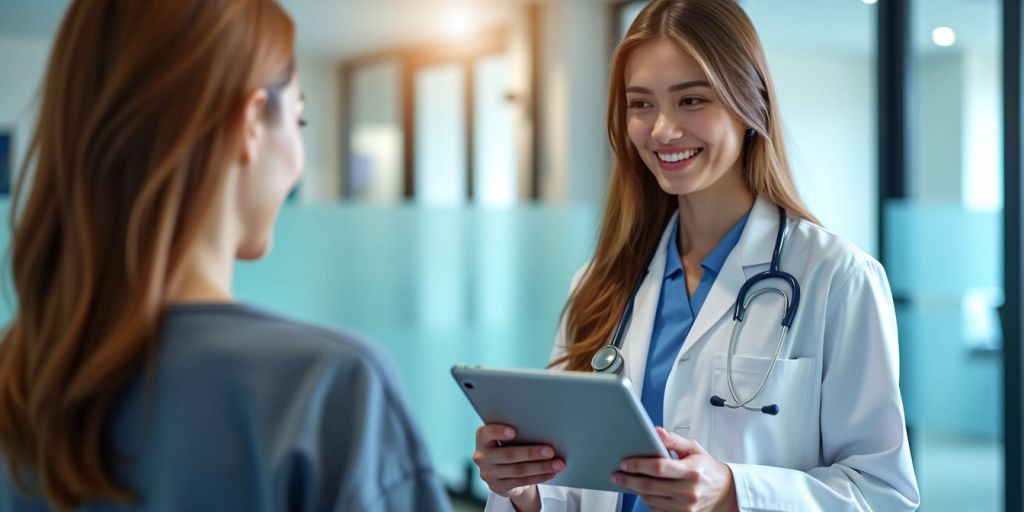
{"x": 702, "y": 202}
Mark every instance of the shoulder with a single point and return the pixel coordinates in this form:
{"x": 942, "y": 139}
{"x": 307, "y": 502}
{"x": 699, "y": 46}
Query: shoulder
{"x": 247, "y": 340}
{"x": 814, "y": 247}
{"x": 577, "y": 277}
{"x": 256, "y": 326}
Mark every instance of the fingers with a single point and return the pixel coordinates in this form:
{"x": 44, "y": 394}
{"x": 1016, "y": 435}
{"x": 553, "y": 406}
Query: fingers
{"x": 659, "y": 467}
{"x": 644, "y": 485}
{"x": 516, "y": 454}
{"x": 505, "y": 468}
{"x": 488, "y": 435}
{"x": 504, "y": 478}
{"x": 681, "y": 445}
{"x": 490, "y": 472}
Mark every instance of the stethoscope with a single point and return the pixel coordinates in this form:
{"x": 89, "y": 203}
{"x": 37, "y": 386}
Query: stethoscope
{"x": 609, "y": 358}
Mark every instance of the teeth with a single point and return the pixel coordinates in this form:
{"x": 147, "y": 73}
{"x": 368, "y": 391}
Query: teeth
{"x": 675, "y": 157}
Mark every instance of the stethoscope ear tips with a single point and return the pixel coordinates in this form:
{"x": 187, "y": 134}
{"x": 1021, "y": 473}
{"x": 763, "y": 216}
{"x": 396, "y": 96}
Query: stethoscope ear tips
{"x": 717, "y": 401}
{"x": 770, "y": 409}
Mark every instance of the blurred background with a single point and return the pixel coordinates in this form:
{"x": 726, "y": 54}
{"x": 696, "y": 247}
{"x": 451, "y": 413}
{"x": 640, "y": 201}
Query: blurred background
{"x": 458, "y": 160}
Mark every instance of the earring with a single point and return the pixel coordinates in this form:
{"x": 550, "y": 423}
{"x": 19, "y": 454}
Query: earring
{"x": 750, "y": 133}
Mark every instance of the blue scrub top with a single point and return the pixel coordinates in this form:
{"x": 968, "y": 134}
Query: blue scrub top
{"x": 250, "y": 411}
{"x": 672, "y": 322}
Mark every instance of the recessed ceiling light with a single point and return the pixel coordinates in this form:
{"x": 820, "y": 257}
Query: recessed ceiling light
{"x": 457, "y": 22}
{"x": 943, "y": 36}
{"x": 871, "y": 2}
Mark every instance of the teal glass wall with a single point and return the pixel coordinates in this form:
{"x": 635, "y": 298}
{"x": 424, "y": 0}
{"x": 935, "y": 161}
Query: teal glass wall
{"x": 944, "y": 256}
{"x": 433, "y": 287}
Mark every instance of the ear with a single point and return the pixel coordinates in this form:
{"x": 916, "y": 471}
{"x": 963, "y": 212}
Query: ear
{"x": 252, "y": 126}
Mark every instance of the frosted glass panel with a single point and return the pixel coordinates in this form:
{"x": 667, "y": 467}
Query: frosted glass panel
{"x": 433, "y": 286}
{"x": 440, "y": 164}
{"x": 943, "y": 249}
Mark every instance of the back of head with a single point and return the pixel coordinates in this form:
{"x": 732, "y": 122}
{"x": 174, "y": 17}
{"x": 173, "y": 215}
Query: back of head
{"x": 721, "y": 38}
{"x": 140, "y": 117}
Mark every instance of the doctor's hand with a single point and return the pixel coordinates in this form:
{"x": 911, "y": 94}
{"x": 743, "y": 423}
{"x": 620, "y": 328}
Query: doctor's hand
{"x": 694, "y": 482}
{"x": 514, "y": 471}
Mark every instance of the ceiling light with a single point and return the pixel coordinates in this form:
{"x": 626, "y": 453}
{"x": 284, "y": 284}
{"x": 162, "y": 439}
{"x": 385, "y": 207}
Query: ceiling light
{"x": 871, "y": 2}
{"x": 457, "y": 22}
{"x": 943, "y": 36}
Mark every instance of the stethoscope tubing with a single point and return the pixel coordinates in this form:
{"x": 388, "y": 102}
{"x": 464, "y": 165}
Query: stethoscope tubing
{"x": 611, "y": 356}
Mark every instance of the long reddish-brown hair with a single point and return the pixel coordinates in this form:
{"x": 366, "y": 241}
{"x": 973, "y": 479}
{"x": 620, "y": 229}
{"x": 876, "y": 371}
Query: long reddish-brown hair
{"x": 720, "y": 36}
{"x": 142, "y": 114}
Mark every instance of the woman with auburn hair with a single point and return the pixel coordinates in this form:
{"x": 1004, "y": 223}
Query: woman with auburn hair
{"x": 130, "y": 379}
{"x": 762, "y": 346}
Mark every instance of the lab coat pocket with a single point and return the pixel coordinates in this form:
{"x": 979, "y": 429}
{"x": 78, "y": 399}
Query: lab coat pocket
{"x": 753, "y": 437}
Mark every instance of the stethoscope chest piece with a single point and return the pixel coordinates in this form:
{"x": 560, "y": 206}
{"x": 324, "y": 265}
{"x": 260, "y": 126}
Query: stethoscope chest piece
{"x": 608, "y": 360}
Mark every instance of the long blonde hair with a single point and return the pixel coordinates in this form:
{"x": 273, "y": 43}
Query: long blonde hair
{"x": 140, "y": 118}
{"x": 720, "y": 36}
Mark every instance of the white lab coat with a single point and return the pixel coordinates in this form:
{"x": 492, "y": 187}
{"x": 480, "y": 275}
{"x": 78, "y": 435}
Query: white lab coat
{"x": 839, "y": 441}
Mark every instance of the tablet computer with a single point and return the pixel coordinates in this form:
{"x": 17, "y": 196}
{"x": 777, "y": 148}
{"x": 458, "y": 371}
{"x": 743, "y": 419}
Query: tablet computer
{"x": 592, "y": 420}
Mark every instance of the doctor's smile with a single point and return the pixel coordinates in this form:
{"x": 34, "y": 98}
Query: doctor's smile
{"x": 675, "y": 159}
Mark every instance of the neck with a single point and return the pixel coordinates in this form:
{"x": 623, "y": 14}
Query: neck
{"x": 705, "y": 217}
{"x": 206, "y": 278}
{"x": 209, "y": 265}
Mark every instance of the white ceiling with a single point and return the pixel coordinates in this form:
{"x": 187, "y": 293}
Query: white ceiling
{"x": 340, "y": 28}
{"x": 326, "y": 28}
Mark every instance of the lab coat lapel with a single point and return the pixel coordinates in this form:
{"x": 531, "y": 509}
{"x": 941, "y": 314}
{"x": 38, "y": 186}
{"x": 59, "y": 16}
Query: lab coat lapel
{"x": 753, "y": 248}
{"x": 637, "y": 339}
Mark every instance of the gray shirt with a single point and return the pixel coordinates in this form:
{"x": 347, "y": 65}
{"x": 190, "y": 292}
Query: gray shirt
{"x": 248, "y": 411}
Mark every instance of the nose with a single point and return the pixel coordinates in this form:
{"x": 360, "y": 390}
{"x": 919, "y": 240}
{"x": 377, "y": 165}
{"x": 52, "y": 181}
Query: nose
{"x": 666, "y": 129}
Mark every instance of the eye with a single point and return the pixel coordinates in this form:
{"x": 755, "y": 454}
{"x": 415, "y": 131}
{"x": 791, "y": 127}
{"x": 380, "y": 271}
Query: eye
{"x": 638, "y": 104}
{"x": 691, "y": 101}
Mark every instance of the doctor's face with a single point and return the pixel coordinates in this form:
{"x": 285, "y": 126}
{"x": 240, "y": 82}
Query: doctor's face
{"x": 683, "y": 132}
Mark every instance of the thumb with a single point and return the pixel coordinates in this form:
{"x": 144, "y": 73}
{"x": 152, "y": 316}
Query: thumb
{"x": 683, "y": 446}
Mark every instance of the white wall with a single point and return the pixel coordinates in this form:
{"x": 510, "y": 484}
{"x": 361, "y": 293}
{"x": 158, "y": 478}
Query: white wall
{"x": 829, "y": 118}
{"x": 23, "y": 61}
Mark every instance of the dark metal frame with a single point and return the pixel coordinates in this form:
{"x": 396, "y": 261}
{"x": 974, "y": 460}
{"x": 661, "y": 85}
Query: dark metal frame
{"x": 1013, "y": 248}
{"x": 894, "y": 93}
{"x": 534, "y": 17}
{"x": 7, "y": 170}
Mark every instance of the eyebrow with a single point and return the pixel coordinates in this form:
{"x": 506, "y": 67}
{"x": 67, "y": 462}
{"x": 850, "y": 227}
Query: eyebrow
{"x": 674, "y": 88}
